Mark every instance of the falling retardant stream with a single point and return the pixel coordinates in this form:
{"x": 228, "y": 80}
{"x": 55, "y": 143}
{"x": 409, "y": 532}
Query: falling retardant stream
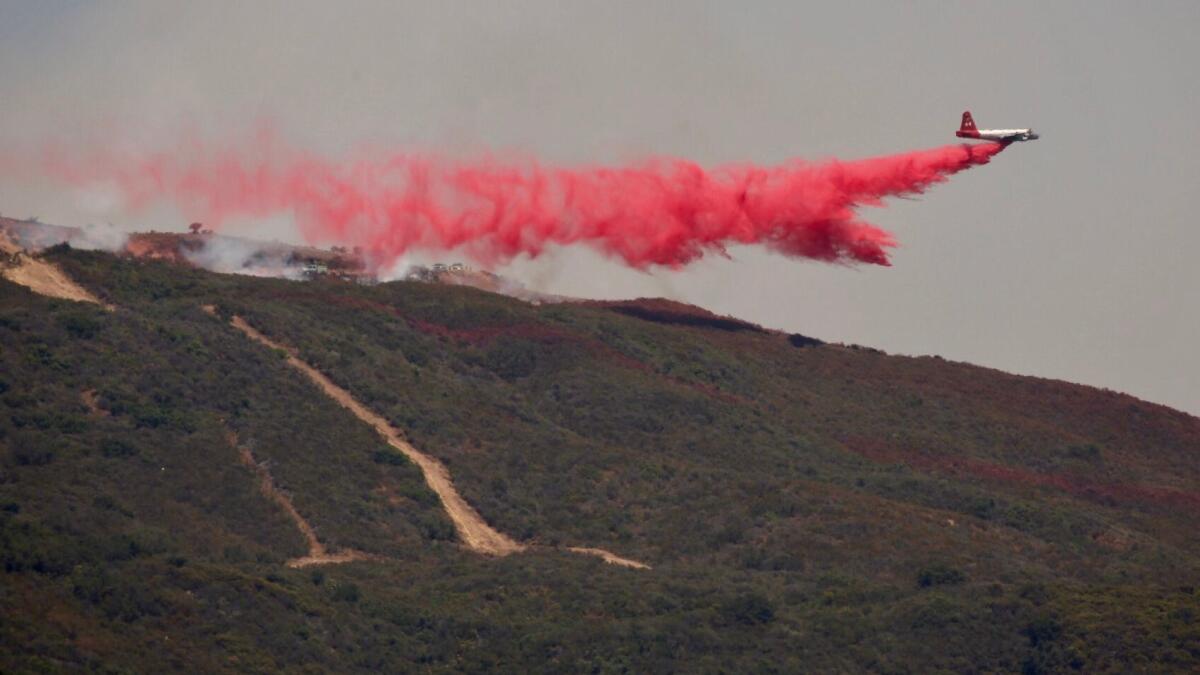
{"x": 471, "y": 528}
{"x": 661, "y": 211}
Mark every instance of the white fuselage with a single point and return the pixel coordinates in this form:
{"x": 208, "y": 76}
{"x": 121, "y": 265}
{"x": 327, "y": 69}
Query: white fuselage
{"x": 999, "y": 134}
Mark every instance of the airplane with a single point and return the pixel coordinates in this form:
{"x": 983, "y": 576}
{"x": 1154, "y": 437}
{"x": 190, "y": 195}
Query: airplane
{"x": 969, "y": 130}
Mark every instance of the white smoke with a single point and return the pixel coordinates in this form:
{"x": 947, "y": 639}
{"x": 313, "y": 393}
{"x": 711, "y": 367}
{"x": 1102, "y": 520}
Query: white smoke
{"x": 402, "y": 268}
{"x": 106, "y": 237}
{"x": 231, "y": 255}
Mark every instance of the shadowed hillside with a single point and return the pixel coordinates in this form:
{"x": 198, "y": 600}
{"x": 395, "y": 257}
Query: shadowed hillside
{"x": 803, "y": 506}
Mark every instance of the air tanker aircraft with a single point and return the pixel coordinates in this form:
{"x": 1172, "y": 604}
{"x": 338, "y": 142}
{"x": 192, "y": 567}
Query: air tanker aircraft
{"x": 969, "y": 130}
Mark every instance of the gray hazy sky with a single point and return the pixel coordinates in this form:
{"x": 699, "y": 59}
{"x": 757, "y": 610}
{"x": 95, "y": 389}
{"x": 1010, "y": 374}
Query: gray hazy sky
{"x": 1070, "y": 257}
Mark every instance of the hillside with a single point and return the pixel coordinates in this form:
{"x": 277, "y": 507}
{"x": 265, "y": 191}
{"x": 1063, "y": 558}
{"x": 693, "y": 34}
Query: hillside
{"x": 798, "y": 506}
{"x": 198, "y": 247}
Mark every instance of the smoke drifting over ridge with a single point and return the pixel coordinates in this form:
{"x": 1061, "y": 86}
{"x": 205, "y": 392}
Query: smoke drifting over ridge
{"x": 663, "y": 211}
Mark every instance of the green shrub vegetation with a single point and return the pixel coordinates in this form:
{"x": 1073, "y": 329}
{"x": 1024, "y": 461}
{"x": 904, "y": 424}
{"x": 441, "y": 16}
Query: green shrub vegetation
{"x": 806, "y": 507}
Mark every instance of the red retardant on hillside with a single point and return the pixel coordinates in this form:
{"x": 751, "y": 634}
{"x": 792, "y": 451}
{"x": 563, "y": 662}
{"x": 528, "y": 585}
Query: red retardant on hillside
{"x": 661, "y": 212}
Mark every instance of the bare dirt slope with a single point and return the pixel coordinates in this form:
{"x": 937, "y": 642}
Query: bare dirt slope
{"x": 39, "y": 275}
{"x": 472, "y": 529}
{"x": 317, "y": 553}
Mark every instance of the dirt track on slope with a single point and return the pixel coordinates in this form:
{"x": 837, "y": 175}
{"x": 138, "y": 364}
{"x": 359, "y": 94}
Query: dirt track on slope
{"x": 317, "y": 553}
{"x": 608, "y": 557}
{"x": 40, "y": 276}
{"x": 474, "y": 532}
{"x": 471, "y": 528}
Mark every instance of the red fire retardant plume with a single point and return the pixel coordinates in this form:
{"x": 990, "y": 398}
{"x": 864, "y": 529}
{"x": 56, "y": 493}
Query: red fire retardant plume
{"x": 662, "y": 212}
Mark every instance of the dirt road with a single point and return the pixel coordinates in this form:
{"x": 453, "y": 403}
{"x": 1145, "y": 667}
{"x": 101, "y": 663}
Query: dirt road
{"x": 608, "y": 557}
{"x": 474, "y": 532}
{"x": 317, "y": 553}
{"x": 471, "y": 528}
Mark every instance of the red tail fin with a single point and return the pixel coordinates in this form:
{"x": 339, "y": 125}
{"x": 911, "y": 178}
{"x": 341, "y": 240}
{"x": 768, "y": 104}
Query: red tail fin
{"x": 968, "y": 123}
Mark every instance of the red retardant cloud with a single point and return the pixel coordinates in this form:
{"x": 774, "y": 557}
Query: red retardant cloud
{"x": 661, "y": 212}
